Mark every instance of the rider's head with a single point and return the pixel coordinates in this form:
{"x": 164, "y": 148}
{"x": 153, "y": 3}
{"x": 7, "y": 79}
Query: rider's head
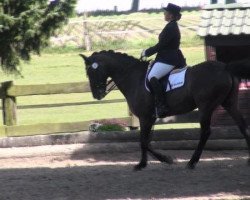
{"x": 172, "y": 12}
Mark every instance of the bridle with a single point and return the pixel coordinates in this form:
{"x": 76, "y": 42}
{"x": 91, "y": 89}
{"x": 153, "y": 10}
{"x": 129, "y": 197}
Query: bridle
{"x": 111, "y": 85}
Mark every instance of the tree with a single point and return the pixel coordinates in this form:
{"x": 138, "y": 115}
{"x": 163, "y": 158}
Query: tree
{"x": 26, "y": 26}
{"x": 135, "y": 5}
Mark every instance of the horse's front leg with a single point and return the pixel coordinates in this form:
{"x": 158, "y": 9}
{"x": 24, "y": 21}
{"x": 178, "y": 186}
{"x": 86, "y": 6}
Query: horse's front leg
{"x": 145, "y": 137}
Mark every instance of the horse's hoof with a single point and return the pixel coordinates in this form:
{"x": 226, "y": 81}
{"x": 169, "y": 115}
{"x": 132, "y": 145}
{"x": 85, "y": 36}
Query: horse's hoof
{"x": 140, "y": 166}
{"x": 190, "y": 165}
{"x": 168, "y": 159}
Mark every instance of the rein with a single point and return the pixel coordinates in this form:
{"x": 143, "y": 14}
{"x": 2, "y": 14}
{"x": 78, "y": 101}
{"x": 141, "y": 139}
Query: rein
{"x": 110, "y": 85}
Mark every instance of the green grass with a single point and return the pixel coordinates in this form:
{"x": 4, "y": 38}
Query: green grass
{"x": 72, "y": 113}
{"x": 188, "y": 41}
{"x": 50, "y": 68}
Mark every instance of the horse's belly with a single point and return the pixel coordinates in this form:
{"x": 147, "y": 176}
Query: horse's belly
{"x": 180, "y": 101}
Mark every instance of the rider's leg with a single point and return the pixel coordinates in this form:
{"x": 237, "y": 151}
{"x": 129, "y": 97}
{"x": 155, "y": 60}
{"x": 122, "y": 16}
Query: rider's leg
{"x": 159, "y": 94}
{"x": 158, "y": 71}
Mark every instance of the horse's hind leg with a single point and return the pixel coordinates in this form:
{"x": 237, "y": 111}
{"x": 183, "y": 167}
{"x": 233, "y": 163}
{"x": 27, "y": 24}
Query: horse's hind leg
{"x": 205, "y": 122}
{"x": 238, "y": 118}
{"x": 162, "y": 158}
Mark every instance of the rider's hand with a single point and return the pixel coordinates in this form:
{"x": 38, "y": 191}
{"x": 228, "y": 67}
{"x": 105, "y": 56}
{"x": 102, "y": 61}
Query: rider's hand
{"x": 143, "y": 54}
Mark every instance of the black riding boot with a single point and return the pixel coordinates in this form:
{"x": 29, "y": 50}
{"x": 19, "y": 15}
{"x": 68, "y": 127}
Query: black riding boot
{"x": 159, "y": 93}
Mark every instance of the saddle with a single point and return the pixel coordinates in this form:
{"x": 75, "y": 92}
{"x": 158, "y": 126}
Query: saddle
{"x": 172, "y": 80}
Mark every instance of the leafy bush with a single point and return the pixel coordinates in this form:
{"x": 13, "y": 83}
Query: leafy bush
{"x": 108, "y": 125}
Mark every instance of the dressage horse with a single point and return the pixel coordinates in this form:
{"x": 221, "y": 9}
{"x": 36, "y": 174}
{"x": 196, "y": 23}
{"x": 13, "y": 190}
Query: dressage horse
{"x": 208, "y": 85}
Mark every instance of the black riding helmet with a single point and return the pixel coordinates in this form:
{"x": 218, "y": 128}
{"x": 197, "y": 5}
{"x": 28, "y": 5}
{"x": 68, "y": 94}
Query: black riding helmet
{"x": 174, "y": 10}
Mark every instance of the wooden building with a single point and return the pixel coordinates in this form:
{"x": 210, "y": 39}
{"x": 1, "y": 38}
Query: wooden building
{"x": 226, "y": 33}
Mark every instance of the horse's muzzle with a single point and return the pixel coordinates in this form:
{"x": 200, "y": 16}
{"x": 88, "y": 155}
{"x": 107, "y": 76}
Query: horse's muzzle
{"x": 100, "y": 94}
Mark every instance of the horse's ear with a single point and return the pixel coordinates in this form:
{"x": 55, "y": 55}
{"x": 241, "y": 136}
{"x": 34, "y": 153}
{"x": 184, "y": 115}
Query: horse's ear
{"x": 85, "y": 58}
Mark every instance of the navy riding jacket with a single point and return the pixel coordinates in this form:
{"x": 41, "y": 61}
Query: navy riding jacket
{"x": 167, "y": 48}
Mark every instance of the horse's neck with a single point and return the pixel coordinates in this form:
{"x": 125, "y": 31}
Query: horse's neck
{"x": 129, "y": 79}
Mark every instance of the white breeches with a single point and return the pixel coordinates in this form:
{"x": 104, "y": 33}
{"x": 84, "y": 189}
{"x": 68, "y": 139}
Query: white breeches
{"x": 159, "y": 70}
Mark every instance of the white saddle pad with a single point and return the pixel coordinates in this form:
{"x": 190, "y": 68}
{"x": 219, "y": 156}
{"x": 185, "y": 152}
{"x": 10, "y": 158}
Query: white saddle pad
{"x": 176, "y": 79}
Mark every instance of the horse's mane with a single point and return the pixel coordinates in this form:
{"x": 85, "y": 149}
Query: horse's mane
{"x": 124, "y": 56}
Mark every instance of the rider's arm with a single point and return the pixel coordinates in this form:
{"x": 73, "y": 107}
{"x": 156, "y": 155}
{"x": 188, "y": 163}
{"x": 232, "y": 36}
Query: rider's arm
{"x": 165, "y": 37}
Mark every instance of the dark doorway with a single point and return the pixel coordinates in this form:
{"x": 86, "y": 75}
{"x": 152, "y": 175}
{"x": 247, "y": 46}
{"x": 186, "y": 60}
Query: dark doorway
{"x": 232, "y": 53}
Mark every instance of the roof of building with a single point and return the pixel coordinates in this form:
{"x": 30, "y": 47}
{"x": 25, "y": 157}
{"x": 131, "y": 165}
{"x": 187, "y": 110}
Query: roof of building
{"x": 229, "y": 19}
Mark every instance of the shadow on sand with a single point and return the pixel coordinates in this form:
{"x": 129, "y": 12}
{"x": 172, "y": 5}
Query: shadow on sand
{"x": 117, "y": 181}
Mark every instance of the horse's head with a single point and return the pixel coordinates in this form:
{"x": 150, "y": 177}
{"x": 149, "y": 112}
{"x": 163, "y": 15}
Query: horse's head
{"x": 104, "y": 64}
{"x": 97, "y": 73}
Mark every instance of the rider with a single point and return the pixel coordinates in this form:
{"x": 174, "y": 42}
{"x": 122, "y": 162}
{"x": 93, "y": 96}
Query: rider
{"x": 168, "y": 56}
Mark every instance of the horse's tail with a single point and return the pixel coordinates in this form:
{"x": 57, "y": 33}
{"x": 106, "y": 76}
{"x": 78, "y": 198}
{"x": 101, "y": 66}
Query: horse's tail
{"x": 240, "y": 69}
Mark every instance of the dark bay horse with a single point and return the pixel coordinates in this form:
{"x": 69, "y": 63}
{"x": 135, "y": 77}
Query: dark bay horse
{"x": 208, "y": 85}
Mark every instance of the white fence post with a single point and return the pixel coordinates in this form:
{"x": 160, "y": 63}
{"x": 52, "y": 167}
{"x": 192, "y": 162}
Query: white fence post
{"x": 86, "y": 32}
